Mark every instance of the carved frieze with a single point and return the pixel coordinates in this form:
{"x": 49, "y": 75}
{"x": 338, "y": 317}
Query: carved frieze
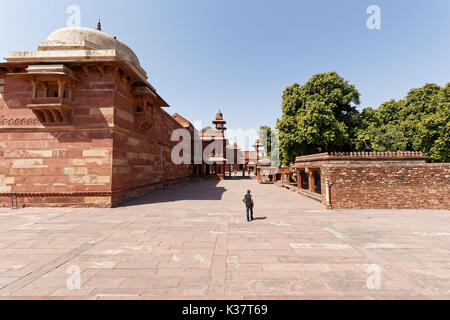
{"x": 19, "y": 122}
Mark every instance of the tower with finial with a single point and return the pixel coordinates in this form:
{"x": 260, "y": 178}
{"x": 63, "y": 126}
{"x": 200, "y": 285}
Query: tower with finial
{"x": 220, "y": 123}
{"x": 99, "y": 25}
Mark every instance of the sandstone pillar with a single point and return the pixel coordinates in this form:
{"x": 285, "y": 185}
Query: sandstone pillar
{"x": 70, "y": 93}
{"x": 34, "y": 89}
{"x": 60, "y": 89}
{"x": 328, "y": 194}
{"x": 311, "y": 180}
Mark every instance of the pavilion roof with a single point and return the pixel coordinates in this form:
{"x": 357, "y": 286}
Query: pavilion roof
{"x": 182, "y": 120}
{"x": 212, "y": 133}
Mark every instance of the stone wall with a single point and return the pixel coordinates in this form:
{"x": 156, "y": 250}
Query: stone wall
{"x": 402, "y": 180}
{"x": 59, "y": 166}
{"x": 98, "y": 160}
{"x": 142, "y": 162}
{"x": 2, "y": 86}
{"x": 388, "y": 185}
{"x": 56, "y": 168}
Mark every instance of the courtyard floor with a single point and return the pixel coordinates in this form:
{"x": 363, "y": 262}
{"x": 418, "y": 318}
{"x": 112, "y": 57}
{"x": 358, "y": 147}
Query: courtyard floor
{"x": 193, "y": 241}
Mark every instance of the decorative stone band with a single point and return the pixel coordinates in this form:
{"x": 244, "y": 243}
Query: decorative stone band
{"x": 371, "y": 156}
{"x": 56, "y": 194}
{"x": 377, "y": 154}
{"x": 19, "y": 122}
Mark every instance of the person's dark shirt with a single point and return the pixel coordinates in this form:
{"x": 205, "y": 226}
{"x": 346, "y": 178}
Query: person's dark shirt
{"x": 248, "y": 200}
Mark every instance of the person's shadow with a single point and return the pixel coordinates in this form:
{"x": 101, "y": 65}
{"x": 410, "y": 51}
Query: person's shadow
{"x": 260, "y": 218}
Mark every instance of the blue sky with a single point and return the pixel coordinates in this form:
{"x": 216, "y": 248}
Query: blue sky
{"x": 239, "y": 55}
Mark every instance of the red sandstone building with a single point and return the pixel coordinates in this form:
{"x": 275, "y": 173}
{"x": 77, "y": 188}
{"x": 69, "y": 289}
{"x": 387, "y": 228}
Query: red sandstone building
{"x": 80, "y": 125}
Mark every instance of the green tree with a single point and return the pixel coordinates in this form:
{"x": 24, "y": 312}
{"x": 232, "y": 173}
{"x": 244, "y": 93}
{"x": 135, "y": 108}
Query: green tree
{"x": 319, "y": 116}
{"x": 265, "y": 134}
{"x": 433, "y": 131}
{"x": 380, "y": 129}
{"x": 420, "y": 122}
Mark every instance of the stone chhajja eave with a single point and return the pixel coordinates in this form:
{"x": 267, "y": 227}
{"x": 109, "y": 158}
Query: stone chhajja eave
{"x": 72, "y": 56}
{"x": 46, "y": 73}
{"x": 139, "y": 75}
{"x": 90, "y": 57}
{"x": 149, "y": 92}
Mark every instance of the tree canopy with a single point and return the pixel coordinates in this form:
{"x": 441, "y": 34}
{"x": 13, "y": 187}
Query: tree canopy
{"x": 322, "y": 116}
{"x": 420, "y": 122}
{"x": 319, "y": 116}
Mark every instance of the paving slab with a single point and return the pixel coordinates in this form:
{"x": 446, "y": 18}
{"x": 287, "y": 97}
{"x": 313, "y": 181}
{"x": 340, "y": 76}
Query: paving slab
{"x": 172, "y": 245}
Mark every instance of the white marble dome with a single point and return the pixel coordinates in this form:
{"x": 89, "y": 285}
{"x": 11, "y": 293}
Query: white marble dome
{"x": 76, "y": 38}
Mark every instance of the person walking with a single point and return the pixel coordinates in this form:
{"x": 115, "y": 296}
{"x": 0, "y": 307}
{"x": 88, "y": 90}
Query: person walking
{"x": 249, "y": 204}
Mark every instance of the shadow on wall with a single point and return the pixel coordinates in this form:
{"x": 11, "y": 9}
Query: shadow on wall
{"x": 204, "y": 190}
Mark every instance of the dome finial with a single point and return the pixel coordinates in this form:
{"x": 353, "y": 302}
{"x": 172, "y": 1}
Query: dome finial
{"x": 99, "y": 25}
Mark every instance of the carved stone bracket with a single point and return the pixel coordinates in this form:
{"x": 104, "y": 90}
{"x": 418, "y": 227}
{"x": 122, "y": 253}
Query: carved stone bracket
{"x": 143, "y": 126}
{"x": 144, "y": 113}
{"x": 52, "y": 111}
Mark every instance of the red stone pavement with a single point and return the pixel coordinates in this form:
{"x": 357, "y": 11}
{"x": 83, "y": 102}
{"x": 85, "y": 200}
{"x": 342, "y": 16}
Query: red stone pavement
{"x": 193, "y": 241}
